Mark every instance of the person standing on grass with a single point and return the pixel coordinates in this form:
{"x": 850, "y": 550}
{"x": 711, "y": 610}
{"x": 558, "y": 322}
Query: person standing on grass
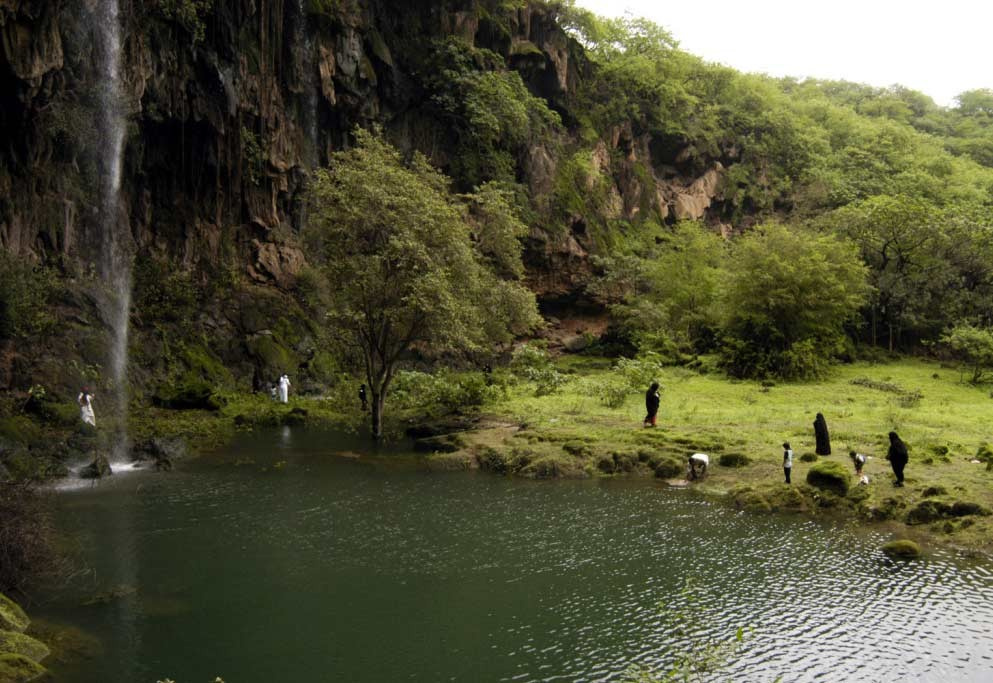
{"x": 821, "y": 436}
{"x": 898, "y": 457}
{"x": 787, "y": 460}
{"x": 652, "y": 400}
{"x": 284, "y": 388}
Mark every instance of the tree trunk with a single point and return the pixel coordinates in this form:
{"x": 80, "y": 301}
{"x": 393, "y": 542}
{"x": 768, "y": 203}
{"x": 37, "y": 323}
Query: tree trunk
{"x": 377, "y": 414}
{"x": 874, "y": 325}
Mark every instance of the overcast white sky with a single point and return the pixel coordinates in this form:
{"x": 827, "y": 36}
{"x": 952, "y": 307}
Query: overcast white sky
{"x": 940, "y": 48}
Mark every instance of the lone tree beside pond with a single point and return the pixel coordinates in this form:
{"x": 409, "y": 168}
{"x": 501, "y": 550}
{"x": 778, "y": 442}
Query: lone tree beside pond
{"x": 403, "y": 263}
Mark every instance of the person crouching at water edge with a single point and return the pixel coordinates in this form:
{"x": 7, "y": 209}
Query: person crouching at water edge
{"x": 652, "y": 400}
{"x": 858, "y": 459}
{"x": 86, "y": 408}
{"x": 697, "y": 465}
{"x": 787, "y": 460}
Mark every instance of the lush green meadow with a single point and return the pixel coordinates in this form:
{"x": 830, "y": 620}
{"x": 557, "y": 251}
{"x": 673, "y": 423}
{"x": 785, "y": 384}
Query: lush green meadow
{"x": 945, "y": 422}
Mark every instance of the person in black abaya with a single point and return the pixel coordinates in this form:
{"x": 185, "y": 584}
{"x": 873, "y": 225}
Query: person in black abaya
{"x": 898, "y": 457}
{"x": 652, "y": 400}
{"x": 821, "y": 436}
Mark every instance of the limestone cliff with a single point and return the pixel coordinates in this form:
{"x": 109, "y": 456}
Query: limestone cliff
{"x": 231, "y": 103}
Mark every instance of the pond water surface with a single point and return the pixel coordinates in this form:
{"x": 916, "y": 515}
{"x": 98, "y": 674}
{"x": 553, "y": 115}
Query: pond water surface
{"x": 278, "y": 561}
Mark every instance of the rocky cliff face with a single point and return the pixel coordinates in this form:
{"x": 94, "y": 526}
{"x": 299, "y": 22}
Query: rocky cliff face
{"x": 225, "y": 127}
{"x": 231, "y": 103}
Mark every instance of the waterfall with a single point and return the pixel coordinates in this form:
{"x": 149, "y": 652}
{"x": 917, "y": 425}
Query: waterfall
{"x": 308, "y": 68}
{"x": 115, "y": 243}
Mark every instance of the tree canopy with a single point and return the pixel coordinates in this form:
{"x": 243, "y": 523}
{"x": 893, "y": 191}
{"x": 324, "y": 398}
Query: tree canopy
{"x": 404, "y": 266}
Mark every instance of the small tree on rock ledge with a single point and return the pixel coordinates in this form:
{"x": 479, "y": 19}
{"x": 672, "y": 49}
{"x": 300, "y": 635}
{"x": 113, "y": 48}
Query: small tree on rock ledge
{"x": 406, "y": 263}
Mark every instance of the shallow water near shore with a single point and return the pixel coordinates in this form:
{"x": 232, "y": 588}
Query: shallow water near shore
{"x": 286, "y": 558}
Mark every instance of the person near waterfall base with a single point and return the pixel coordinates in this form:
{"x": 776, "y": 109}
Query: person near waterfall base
{"x": 284, "y": 389}
{"x": 86, "y": 407}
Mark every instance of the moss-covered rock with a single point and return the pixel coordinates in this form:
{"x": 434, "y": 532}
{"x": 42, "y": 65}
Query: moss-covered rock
{"x": 68, "y": 643}
{"x": 903, "y": 549}
{"x": 12, "y": 617}
{"x": 578, "y": 449}
{"x": 296, "y": 416}
{"x": 733, "y": 460}
{"x": 492, "y": 460}
{"x": 830, "y": 476}
{"x": 928, "y": 511}
{"x": 446, "y": 443}
{"x": 750, "y": 500}
{"x": 194, "y": 394}
{"x": 932, "y": 491}
{"x": 21, "y": 430}
{"x": 666, "y": 466}
{"x": 100, "y": 467}
{"x": 809, "y": 457}
{"x": 554, "y": 466}
{"x": 451, "y": 462}
{"x": 14, "y": 643}
{"x": 19, "y": 669}
{"x": 794, "y": 498}
{"x": 271, "y": 357}
{"x": 605, "y": 464}
{"x": 961, "y": 508}
{"x": 889, "y": 508}
{"x": 624, "y": 462}
{"x": 48, "y": 408}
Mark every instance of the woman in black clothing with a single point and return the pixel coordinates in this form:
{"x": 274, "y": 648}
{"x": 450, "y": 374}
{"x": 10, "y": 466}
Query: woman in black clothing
{"x": 652, "y": 400}
{"x": 898, "y": 456}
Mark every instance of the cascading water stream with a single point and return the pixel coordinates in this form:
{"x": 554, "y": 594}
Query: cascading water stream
{"x": 305, "y": 44}
{"x": 115, "y": 235}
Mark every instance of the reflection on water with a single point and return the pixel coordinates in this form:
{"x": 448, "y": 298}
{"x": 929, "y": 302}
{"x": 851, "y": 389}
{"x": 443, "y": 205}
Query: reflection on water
{"x": 335, "y": 568}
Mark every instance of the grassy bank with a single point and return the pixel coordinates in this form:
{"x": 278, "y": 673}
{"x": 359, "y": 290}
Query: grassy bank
{"x": 591, "y": 426}
{"x": 944, "y": 421}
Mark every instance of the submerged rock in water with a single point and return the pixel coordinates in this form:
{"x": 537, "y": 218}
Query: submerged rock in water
{"x": 903, "y": 548}
{"x": 14, "y": 643}
{"x": 12, "y": 617}
{"x": 19, "y": 669}
{"x": 100, "y": 467}
{"x": 160, "y": 451}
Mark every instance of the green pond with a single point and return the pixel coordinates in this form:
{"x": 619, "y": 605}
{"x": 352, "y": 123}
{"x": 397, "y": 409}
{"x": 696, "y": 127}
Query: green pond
{"x": 281, "y": 559}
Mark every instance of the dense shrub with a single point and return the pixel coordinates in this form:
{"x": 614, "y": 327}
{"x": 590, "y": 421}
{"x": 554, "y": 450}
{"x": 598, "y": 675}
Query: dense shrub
{"x": 25, "y": 292}
{"x": 531, "y": 362}
{"x": 830, "y": 476}
{"x": 733, "y": 460}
